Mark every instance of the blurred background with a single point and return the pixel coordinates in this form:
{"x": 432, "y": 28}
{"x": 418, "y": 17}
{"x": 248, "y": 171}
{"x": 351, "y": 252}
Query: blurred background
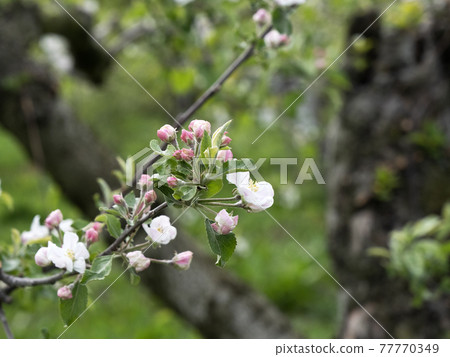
{"x": 65, "y": 105}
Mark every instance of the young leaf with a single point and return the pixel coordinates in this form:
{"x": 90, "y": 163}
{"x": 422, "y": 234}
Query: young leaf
{"x": 101, "y": 268}
{"x": 154, "y": 145}
{"x": 114, "y": 227}
{"x": 213, "y": 188}
{"x": 222, "y": 245}
{"x": 72, "y": 308}
{"x": 205, "y": 144}
{"x": 281, "y": 21}
{"x": 216, "y": 139}
{"x": 130, "y": 199}
{"x": 106, "y": 191}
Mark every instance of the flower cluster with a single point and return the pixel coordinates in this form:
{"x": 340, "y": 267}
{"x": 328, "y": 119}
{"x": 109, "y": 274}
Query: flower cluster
{"x": 279, "y": 35}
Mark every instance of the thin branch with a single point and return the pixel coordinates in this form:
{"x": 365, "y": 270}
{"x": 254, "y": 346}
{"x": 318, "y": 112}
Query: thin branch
{"x": 20, "y": 282}
{"x": 129, "y": 230}
{"x": 208, "y": 94}
{"x": 5, "y": 324}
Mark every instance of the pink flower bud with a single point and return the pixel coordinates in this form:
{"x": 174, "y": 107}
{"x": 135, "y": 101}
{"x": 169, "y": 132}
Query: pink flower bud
{"x": 198, "y": 127}
{"x": 224, "y": 155}
{"x": 118, "y": 199}
{"x": 150, "y": 197}
{"x": 183, "y": 260}
{"x": 65, "y": 293}
{"x": 54, "y": 219}
{"x": 41, "y": 258}
{"x": 187, "y": 154}
{"x": 262, "y": 17}
{"x": 138, "y": 260}
{"x": 172, "y": 181}
{"x": 225, "y": 222}
{"x": 226, "y": 140}
{"x": 91, "y": 235}
{"x": 167, "y": 133}
{"x": 97, "y": 226}
{"x": 274, "y": 39}
{"x": 145, "y": 182}
{"x": 187, "y": 137}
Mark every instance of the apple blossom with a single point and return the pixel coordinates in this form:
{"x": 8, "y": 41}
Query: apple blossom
{"x": 71, "y": 256}
{"x": 167, "y": 133}
{"x": 54, "y": 219}
{"x": 262, "y": 17}
{"x": 97, "y": 226}
{"x": 187, "y": 137}
{"x": 36, "y": 231}
{"x": 289, "y": 2}
{"x": 160, "y": 230}
{"x": 274, "y": 39}
{"x": 226, "y": 140}
{"x": 118, "y": 199}
{"x": 198, "y": 127}
{"x": 65, "y": 293}
{"x": 66, "y": 225}
{"x": 256, "y": 196}
{"x": 145, "y": 182}
{"x": 138, "y": 260}
{"x": 172, "y": 181}
{"x": 91, "y": 235}
{"x": 225, "y": 222}
{"x": 41, "y": 257}
{"x": 224, "y": 155}
{"x": 150, "y": 197}
{"x": 184, "y": 154}
{"x": 183, "y": 260}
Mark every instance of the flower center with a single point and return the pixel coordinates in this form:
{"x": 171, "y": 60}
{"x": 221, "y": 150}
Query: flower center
{"x": 253, "y": 185}
{"x": 71, "y": 254}
{"x": 160, "y": 230}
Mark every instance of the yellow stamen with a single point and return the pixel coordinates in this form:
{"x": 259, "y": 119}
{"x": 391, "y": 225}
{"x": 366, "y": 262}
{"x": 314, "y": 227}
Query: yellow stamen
{"x": 253, "y": 185}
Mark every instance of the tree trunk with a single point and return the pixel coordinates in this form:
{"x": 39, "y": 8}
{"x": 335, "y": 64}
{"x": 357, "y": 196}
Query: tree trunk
{"x": 214, "y": 301}
{"x": 402, "y": 90}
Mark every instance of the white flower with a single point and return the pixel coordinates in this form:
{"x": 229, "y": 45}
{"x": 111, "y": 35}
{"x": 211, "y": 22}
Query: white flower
{"x": 66, "y": 225}
{"x": 257, "y": 196}
{"x": 41, "y": 257}
{"x": 138, "y": 260}
{"x": 36, "y": 231}
{"x": 71, "y": 255}
{"x": 289, "y": 2}
{"x": 160, "y": 230}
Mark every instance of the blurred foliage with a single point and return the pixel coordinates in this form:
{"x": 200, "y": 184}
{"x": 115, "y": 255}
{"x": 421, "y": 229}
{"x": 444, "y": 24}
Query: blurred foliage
{"x": 420, "y": 254}
{"x": 191, "y": 46}
{"x": 386, "y": 181}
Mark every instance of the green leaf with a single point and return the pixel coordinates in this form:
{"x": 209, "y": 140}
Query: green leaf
{"x": 205, "y": 144}
{"x": 130, "y": 199}
{"x": 154, "y": 145}
{"x": 71, "y": 309}
{"x": 10, "y": 264}
{"x": 7, "y": 200}
{"x": 185, "y": 193}
{"x": 426, "y": 226}
{"x": 101, "y": 268}
{"x": 213, "y": 187}
{"x": 106, "y": 191}
{"x": 281, "y": 21}
{"x": 114, "y": 226}
{"x": 222, "y": 245}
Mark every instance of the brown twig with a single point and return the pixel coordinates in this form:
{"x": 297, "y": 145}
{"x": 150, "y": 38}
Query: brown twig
{"x": 5, "y": 324}
{"x": 131, "y": 229}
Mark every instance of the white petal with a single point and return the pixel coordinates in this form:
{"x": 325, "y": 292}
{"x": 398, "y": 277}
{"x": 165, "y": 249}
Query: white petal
{"x": 81, "y": 251}
{"x": 239, "y": 178}
{"x": 35, "y": 224}
{"x": 69, "y": 264}
{"x": 160, "y": 221}
{"x": 70, "y": 240}
{"x": 79, "y": 265}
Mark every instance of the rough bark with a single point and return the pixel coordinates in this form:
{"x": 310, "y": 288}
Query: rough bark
{"x": 214, "y": 301}
{"x": 404, "y": 86}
